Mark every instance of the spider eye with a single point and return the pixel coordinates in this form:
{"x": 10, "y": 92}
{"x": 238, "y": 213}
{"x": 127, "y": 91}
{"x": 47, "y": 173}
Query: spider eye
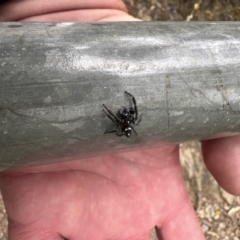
{"x": 132, "y": 111}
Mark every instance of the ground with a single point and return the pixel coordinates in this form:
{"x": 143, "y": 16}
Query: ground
{"x": 181, "y": 10}
{"x": 218, "y": 212}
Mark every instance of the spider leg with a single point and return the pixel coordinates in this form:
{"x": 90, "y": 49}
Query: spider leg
{"x": 139, "y": 120}
{"x": 120, "y": 135}
{"x": 135, "y": 105}
{"x": 110, "y": 114}
{"x": 134, "y": 130}
{"x": 112, "y": 131}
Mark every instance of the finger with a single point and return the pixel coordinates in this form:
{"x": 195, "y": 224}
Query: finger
{"x": 14, "y": 10}
{"x": 182, "y": 224}
{"x": 178, "y": 220}
{"x": 83, "y": 16}
{"x": 222, "y": 158}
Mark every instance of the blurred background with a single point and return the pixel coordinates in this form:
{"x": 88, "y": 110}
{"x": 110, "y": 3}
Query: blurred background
{"x": 218, "y": 211}
{"x": 182, "y": 10}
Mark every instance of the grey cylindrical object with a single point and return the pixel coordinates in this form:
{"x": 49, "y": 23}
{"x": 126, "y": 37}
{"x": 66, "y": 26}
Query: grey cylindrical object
{"x": 54, "y": 78}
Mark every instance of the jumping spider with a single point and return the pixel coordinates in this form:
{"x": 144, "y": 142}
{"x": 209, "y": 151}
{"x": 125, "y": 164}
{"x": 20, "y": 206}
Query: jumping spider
{"x": 124, "y": 118}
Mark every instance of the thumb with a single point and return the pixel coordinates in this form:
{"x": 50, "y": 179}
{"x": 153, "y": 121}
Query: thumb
{"x": 222, "y": 158}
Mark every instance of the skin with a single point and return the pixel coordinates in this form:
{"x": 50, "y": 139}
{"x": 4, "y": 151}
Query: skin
{"x": 119, "y": 196}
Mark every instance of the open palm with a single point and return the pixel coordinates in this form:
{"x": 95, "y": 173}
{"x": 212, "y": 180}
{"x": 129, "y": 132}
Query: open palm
{"x": 118, "y": 196}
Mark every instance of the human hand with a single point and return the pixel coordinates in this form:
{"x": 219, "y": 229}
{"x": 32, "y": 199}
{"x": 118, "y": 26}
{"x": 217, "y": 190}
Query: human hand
{"x": 118, "y": 196}
{"x": 64, "y": 11}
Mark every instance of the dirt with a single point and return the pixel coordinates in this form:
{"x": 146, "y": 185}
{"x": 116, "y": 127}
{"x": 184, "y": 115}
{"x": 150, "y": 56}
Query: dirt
{"x": 218, "y": 211}
{"x": 181, "y": 10}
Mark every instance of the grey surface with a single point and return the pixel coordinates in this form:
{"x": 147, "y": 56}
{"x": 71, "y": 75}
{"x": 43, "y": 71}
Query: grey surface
{"x": 54, "y": 78}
